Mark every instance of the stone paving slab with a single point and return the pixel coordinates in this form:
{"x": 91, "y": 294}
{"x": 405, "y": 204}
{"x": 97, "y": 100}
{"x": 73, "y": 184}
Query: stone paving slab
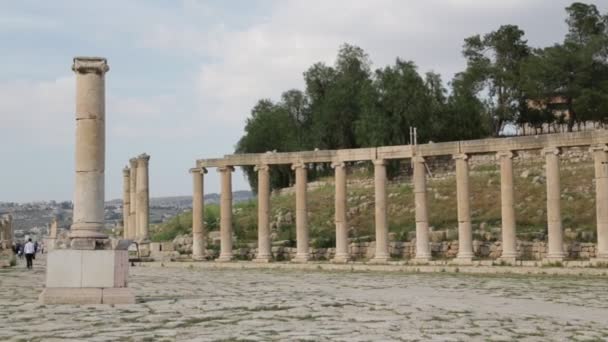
{"x": 199, "y": 304}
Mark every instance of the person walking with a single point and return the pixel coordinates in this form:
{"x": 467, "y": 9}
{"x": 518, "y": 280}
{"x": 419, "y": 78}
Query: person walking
{"x": 29, "y": 251}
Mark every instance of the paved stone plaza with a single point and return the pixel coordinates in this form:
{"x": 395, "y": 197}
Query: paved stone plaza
{"x": 183, "y": 304}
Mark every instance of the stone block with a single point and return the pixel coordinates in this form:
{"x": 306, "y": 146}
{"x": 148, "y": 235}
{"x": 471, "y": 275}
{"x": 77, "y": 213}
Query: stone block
{"x": 87, "y": 268}
{"x": 117, "y": 296}
{"x": 71, "y": 296}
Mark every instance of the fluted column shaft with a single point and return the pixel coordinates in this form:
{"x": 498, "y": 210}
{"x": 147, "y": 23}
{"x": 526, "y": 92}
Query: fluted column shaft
{"x": 600, "y": 157}
{"x": 465, "y": 234}
{"x": 198, "y": 208}
{"x": 342, "y": 254}
{"x": 225, "y": 213}
{"x": 143, "y": 198}
{"x": 126, "y": 202}
{"x": 264, "y": 253}
{"x": 88, "y": 220}
{"x": 133, "y": 234}
{"x": 509, "y": 239}
{"x": 302, "y": 254}
{"x": 380, "y": 197}
{"x": 554, "y": 217}
{"x": 423, "y": 251}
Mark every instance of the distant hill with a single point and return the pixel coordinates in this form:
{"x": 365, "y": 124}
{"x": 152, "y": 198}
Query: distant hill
{"x": 186, "y": 201}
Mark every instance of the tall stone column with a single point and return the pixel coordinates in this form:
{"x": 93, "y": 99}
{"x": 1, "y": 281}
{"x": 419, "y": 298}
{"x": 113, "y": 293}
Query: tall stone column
{"x": 600, "y": 157}
{"x": 465, "y": 234}
{"x": 52, "y": 239}
{"x": 302, "y": 254}
{"x": 509, "y": 237}
{"x": 554, "y": 217}
{"x": 381, "y": 255}
{"x": 198, "y": 209}
{"x": 133, "y": 234}
{"x": 94, "y": 270}
{"x": 90, "y": 150}
{"x": 264, "y": 252}
{"x": 423, "y": 251}
{"x": 126, "y": 202}
{"x": 342, "y": 254}
{"x": 225, "y": 213}
{"x": 143, "y": 198}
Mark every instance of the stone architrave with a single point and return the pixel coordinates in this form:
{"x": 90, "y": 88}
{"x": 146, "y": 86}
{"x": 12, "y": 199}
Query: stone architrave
{"x": 509, "y": 237}
{"x": 423, "y": 250}
{"x": 264, "y": 252}
{"x": 94, "y": 269}
{"x": 143, "y": 198}
{"x": 600, "y": 157}
{"x": 342, "y": 254}
{"x": 465, "y": 234}
{"x": 302, "y": 253}
{"x": 555, "y": 238}
{"x": 381, "y": 254}
{"x": 225, "y": 214}
{"x": 198, "y": 208}
{"x": 126, "y": 202}
{"x": 133, "y": 235}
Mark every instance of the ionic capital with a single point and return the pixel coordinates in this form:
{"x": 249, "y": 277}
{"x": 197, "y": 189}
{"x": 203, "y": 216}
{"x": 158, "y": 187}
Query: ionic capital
{"x": 261, "y": 167}
{"x": 551, "y": 150}
{"x": 133, "y": 163}
{"x": 505, "y": 154}
{"x": 126, "y": 171}
{"x": 298, "y": 165}
{"x": 379, "y": 162}
{"x": 598, "y": 148}
{"x": 227, "y": 168}
{"x": 417, "y": 159}
{"x": 200, "y": 170}
{"x": 90, "y": 65}
{"x": 460, "y": 156}
{"x": 337, "y": 164}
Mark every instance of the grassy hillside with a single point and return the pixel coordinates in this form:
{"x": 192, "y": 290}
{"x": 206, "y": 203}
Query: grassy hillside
{"x": 578, "y": 205}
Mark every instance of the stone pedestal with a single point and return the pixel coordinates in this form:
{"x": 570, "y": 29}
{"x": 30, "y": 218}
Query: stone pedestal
{"x": 555, "y": 238}
{"x": 381, "y": 256}
{"x": 423, "y": 250}
{"x": 264, "y": 253}
{"x": 341, "y": 255}
{"x": 509, "y": 247}
{"x": 465, "y": 233}
{"x": 198, "y": 207}
{"x": 302, "y": 254}
{"x": 225, "y": 214}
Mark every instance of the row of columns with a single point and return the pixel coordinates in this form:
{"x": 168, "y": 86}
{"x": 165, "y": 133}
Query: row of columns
{"x": 6, "y": 231}
{"x": 136, "y": 199}
{"x": 423, "y": 252}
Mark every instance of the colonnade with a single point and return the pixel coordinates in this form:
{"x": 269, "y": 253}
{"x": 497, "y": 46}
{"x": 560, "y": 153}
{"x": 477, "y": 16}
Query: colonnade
{"x": 461, "y": 159}
{"x": 136, "y": 199}
{"x": 6, "y": 231}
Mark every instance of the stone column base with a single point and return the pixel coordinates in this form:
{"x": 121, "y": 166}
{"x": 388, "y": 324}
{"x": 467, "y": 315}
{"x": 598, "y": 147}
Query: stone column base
{"x": 340, "y": 259}
{"x": 301, "y": 258}
{"x": 379, "y": 260}
{"x": 263, "y": 259}
{"x": 198, "y": 258}
{"x": 225, "y": 258}
{"x": 86, "y": 295}
{"x": 552, "y": 259}
{"x": 464, "y": 260}
{"x": 511, "y": 261}
{"x": 420, "y": 260}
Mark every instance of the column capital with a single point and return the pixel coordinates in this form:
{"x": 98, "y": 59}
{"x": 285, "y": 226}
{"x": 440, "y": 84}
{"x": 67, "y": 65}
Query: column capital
{"x": 379, "y": 162}
{"x": 505, "y": 154}
{"x": 227, "y": 168}
{"x": 417, "y": 159}
{"x": 90, "y": 65}
{"x": 297, "y": 165}
{"x": 200, "y": 170}
{"x": 548, "y": 150}
{"x": 336, "y": 164}
{"x": 261, "y": 167}
{"x": 462, "y": 156}
{"x": 133, "y": 163}
{"x": 598, "y": 148}
{"x": 126, "y": 171}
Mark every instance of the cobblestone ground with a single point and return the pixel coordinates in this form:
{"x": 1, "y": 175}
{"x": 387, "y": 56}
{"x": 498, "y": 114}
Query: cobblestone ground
{"x": 204, "y": 305}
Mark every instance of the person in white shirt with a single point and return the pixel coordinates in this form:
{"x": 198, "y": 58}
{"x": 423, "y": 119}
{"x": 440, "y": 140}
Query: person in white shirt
{"x": 29, "y": 251}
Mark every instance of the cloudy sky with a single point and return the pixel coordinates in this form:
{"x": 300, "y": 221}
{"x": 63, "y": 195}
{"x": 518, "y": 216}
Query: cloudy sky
{"x": 185, "y": 74}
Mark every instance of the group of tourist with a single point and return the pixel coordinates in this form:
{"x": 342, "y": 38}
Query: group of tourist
{"x": 28, "y": 250}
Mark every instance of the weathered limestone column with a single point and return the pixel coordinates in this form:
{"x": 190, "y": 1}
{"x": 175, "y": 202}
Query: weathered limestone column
{"x": 302, "y": 254}
{"x": 143, "y": 198}
{"x": 90, "y": 150}
{"x": 52, "y": 239}
{"x": 600, "y": 157}
{"x": 198, "y": 209}
{"x": 264, "y": 252}
{"x": 381, "y": 255}
{"x": 133, "y": 234}
{"x": 555, "y": 241}
{"x": 465, "y": 234}
{"x": 126, "y": 202}
{"x": 509, "y": 237}
{"x": 423, "y": 251}
{"x": 342, "y": 254}
{"x": 225, "y": 213}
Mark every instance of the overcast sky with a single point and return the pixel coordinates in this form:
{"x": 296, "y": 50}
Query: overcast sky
{"x": 185, "y": 74}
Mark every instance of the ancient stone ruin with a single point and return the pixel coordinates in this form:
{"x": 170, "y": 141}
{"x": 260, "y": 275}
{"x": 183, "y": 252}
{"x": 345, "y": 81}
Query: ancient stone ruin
{"x": 136, "y": 201}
